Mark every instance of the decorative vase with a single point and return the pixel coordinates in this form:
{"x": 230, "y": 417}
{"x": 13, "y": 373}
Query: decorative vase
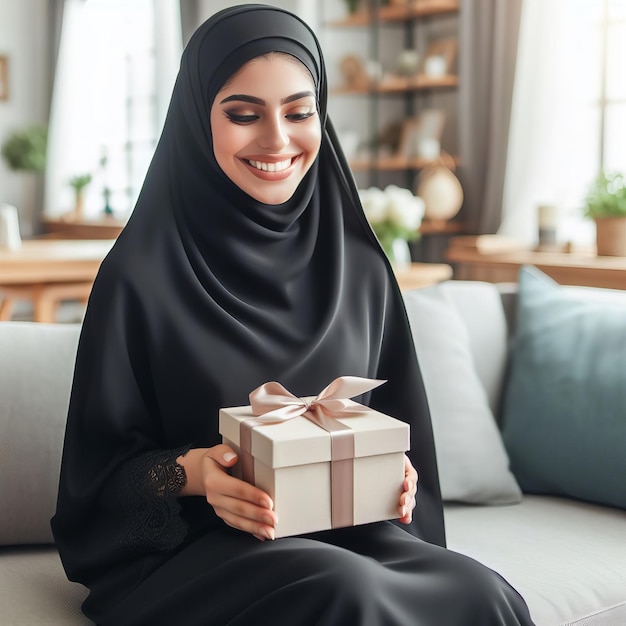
{"x": 398, "y": 252}
{"x": 10, "y": 237}
{"x": 611, "y": 236}
{"x": 441, "y": 191}
{"x": 79, "y": 208}
{"x": 106, "y": 194}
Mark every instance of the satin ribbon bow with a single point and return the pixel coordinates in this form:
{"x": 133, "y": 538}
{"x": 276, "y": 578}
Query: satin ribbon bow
{"x": 271, "y": 403}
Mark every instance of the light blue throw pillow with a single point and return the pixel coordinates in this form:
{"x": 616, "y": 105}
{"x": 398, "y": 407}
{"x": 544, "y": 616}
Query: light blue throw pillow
{"x": 564, "y": 412}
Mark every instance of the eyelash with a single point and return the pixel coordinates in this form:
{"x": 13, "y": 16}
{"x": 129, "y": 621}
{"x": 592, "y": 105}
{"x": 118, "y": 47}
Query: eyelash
{"x": 248, "y": 119}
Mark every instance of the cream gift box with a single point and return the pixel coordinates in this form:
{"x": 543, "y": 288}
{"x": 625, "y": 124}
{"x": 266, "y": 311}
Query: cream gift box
{"x": 317, "y": 479}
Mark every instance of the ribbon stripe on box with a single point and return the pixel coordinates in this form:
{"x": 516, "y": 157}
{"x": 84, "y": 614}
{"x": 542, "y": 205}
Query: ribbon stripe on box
{"x": 271, "y": 403}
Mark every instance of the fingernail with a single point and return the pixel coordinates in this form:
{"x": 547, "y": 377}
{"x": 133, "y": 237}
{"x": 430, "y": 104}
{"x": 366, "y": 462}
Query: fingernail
{"x": 266, "y": 532}
{"x": 410, "y": 485}
{"x": 259, "y": 537}
{"x": 229, "y": 456}
{"x": 268, "y": 520}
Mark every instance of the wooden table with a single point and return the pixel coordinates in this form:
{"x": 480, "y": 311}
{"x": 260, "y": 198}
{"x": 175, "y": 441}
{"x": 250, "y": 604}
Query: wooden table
{"x": 419, "y": 275}
{"x": 106, "y": 227}
{"x": 494, "y": 259}
{"x": 48, "y": 271}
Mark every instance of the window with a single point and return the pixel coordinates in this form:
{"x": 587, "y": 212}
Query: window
{"x": 129, "y": 121}
{"x": 116, "y": 69}
{"x": 612, "y": 102}
{"x": 569, "y": 112}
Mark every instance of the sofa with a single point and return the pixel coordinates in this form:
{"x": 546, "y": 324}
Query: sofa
{"x": 564, "y": 552}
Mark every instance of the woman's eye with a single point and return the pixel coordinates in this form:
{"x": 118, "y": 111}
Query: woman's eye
{"x": 239, "y": 118}
{"x": 300, "y": 117}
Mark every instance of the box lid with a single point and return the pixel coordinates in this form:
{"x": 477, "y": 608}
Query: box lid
{"x": 299, "y": 441}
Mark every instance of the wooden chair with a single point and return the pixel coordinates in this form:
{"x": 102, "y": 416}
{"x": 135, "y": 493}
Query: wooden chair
{"x": 45, "y": 298}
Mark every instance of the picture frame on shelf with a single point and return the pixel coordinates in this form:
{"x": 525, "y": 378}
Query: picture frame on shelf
{"x": 421, "y": 135}
{"x": 4, "y": 77}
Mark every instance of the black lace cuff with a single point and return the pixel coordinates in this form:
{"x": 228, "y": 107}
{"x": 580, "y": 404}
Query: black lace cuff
{"x": 147, "y": 493}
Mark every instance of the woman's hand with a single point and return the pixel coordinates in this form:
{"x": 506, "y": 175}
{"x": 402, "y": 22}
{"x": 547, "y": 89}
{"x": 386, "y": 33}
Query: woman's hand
{"x": 409, "y": 486}
{"x": 240, "y": 504}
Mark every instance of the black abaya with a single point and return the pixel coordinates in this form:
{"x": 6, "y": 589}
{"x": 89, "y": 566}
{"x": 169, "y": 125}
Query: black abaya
{"x": 207, "y": 294}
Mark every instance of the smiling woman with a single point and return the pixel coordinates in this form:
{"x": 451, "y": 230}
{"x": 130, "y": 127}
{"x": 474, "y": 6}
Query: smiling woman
{"x": 266, "y": 139}
{"x": 248, "y": 258}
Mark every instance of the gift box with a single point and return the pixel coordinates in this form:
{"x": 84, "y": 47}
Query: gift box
{"x": 326, "y": 462}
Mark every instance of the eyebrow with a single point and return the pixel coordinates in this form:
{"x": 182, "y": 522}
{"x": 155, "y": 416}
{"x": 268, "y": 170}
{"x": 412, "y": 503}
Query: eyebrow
{"x": 240, "y": 97}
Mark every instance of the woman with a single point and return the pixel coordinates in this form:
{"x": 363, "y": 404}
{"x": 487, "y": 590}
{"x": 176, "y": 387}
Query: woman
{"x": 247, "y": 259}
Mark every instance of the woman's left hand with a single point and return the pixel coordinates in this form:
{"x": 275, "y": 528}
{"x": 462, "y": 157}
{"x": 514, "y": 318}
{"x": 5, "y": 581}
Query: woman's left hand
{"x": 407, "y": 499}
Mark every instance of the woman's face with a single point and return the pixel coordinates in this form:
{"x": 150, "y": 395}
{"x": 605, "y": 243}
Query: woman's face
{"x": 266, "y": 129}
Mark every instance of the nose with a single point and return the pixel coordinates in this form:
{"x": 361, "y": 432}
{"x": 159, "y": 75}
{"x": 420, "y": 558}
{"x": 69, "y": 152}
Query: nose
{"x": 274, "y": 136}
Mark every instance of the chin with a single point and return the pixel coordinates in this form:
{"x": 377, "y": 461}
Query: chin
{"x": 272, "y": 198}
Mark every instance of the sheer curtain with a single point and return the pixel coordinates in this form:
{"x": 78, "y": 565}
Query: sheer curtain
{"x": 116, "y": 67}
{"x": 555, "y": 127}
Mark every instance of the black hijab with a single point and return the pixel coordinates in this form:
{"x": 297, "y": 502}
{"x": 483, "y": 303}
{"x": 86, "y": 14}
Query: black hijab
{"x": 208, "y": 293}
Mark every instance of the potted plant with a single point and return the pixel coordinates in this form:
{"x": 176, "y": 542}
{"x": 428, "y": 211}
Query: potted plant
{"x": 26, "y": 149}
{"x": 79, "y": 182}
{"x": 606, "y": 205}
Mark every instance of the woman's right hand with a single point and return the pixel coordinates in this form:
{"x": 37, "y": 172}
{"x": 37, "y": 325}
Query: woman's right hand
{"x": 240, "y": 504}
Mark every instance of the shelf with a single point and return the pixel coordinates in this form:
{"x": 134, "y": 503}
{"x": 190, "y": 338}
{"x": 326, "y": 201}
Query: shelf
{"x": 399, "y": 12}
{"x": 391, "y": 163}
{"x": 441, "y": 227}
{"x": 401, "y": 84}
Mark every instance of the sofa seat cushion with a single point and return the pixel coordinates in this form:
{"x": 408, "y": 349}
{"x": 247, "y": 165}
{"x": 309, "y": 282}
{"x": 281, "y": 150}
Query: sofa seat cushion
{"x": 566, "y": 558}
{"x": 35, "y": 590}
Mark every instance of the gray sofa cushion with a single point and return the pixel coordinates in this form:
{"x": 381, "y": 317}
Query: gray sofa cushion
{"x": 488, "y": 325}
{"x": 473, "y": 465}
{"x": 566, "y": 558}
{"x": 35, "y": 381}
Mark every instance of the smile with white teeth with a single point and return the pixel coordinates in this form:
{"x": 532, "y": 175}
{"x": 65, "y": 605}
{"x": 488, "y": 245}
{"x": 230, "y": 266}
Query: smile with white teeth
{"x": 270, "y": 167}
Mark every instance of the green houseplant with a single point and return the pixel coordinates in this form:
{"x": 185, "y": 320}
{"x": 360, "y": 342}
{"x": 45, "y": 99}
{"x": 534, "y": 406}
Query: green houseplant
{"x": 25, "y": 149}
{"x": 78, "y": 183}
{"x": 605, "y": 203}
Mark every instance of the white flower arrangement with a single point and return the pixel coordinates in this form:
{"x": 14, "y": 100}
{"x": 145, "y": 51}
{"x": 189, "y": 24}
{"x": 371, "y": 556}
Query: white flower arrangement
{"x": 394, "y": 213}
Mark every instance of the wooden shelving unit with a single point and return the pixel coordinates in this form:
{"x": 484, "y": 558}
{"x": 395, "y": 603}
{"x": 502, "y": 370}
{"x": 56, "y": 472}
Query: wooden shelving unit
{"x": 407, "y": 14}
{"x": 378, "y": 164}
